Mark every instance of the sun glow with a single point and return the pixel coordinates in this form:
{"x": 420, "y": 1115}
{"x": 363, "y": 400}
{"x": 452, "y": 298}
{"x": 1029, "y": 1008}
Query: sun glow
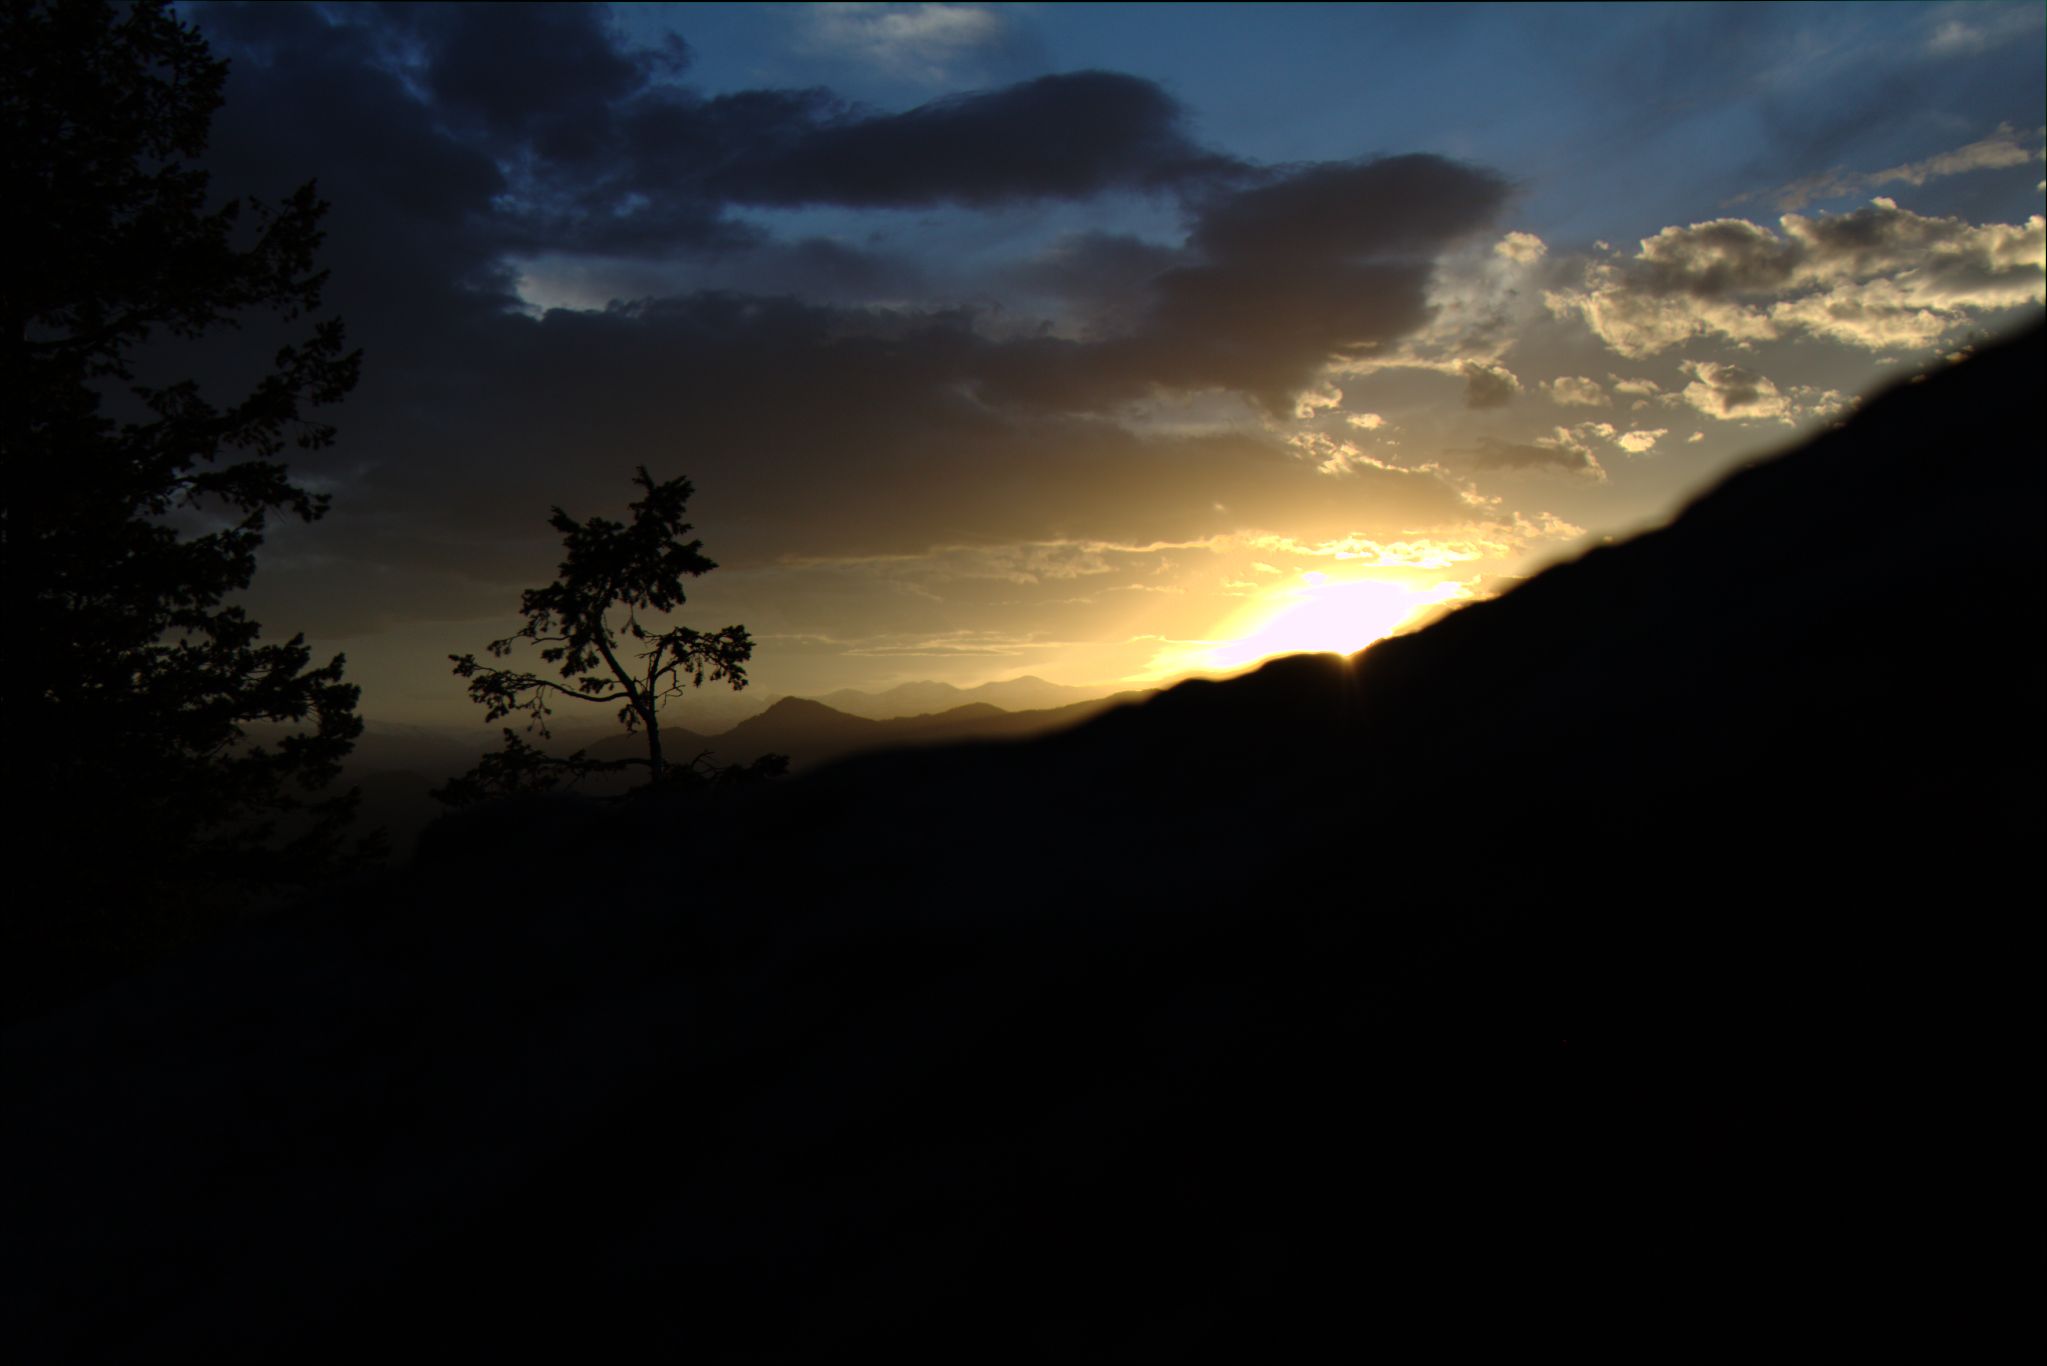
{"x": 1311, "y": 614}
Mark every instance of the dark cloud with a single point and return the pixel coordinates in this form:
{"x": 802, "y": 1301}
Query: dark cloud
{"x": 1319, "y": 263}
{"x": 1488, "y": 386}
{"x": 678, "y": 159}
{"x": 808, "y": 431}
{"x": 1569, "y": 457}
{"x": 1268, "y": 328}
{"x": 1262, "y": 331}
{"x": 600, "y": 152}
{"x": 547, "y": 75}
{"x": 418, "y": 226}
{"x": 412, "y": 223}
{"x": 810, "y": 426}
{"x": 1106, "y": 278}
{"x": 1067, "y": 136}
{"x": 824, "y": 269}
{"x": 1343, "y": 211}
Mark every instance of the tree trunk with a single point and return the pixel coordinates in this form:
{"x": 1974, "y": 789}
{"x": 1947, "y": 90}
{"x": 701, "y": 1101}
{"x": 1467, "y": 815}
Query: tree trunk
{"x": 654, "y": 762}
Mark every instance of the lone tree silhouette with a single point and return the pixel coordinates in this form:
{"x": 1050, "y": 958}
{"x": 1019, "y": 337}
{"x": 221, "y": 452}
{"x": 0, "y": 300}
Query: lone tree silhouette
{"x": 610, "y": 567}
{"x": 133, "y": 505}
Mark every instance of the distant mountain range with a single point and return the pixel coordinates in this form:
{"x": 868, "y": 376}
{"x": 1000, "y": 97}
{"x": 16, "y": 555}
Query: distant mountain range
{"x": 926, "y": 709}
{"x": 811, "y": 733}
{"x": 1642, "y": 965}
{"x": 396, "y": 767}
{"x": 924, "y": 699}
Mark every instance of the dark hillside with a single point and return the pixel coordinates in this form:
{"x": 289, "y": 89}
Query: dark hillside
{"x": 1644, "y": 965}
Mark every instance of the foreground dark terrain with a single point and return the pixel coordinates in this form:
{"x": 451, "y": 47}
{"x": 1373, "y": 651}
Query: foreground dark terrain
{"x": 1644, "y": 965}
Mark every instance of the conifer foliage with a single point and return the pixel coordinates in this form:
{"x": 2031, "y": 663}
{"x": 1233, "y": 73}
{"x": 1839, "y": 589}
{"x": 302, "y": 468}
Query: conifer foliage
{"x": 134, "y": 498}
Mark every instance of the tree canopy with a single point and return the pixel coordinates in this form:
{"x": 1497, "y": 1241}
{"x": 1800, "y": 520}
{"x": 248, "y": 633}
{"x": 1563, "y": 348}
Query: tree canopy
{"x": 135, "y": 497}
{"x": 612, "y": 571}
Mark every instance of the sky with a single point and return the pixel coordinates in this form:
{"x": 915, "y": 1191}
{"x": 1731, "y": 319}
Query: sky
{"x": 1098, "y": 343}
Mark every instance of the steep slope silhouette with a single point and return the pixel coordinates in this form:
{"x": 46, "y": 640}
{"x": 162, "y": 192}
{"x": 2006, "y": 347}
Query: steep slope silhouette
{"x": 1643, "y": 965}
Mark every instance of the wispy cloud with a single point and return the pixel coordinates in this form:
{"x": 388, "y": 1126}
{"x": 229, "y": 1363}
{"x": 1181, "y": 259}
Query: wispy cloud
{"x": 2003, "y": 148}
{"x": 927, "y": 44}
{"x": 1964, "y": 30}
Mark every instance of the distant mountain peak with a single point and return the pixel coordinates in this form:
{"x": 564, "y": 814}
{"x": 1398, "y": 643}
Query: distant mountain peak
{"x": 927, "y": 697}
{"x": 800, "y": 706}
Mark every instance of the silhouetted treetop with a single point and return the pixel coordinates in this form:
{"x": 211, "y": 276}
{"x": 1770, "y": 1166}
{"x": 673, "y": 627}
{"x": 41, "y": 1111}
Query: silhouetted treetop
{"x": 610, "y": 568}
{"x": 132, "y": 508}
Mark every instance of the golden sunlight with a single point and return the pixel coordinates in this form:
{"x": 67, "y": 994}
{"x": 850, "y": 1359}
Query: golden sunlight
{"x": 1312, "y": 614}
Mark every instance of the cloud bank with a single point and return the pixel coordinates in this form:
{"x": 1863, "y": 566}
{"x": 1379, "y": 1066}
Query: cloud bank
{"x": 1880, "y": 278}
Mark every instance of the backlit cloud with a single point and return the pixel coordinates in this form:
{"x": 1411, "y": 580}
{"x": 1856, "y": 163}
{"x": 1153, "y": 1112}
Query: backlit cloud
{"x": 1964, "y": 30}
{"x": 1576, "y": 391}
{"x": 927, "y": 43}
{"x": 1441, "y": 547}
{"x": 1880, "y": 277}
{"x": 1730, "y": 392}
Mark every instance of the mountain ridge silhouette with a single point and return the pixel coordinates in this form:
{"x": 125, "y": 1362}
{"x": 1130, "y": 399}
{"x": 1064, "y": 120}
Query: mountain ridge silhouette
{"x": 1027, "y": 692}
{"x": 398, "y": 766}
{"x": 810, "y": 732}
{"x": 1640, "y": 965}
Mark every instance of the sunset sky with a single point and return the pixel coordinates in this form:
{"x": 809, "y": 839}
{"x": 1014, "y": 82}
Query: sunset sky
{"x": 1100, "y": 343}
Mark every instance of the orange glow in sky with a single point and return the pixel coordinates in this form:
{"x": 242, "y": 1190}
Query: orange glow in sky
{"x": 1313, "y": 613}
